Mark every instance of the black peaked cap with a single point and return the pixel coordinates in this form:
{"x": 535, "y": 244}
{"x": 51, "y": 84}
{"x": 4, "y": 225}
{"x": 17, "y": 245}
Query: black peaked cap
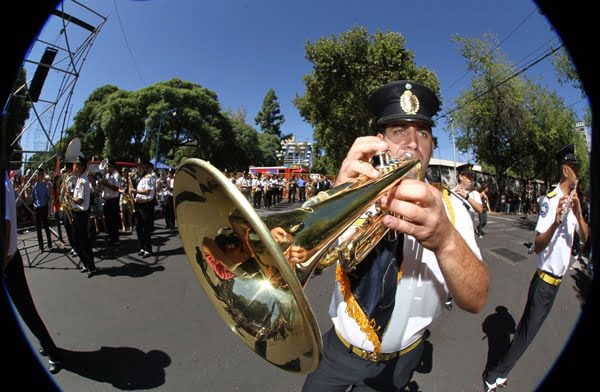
{"x": 404, "y": 100}
{"x": 467, "y": 168}
{"x": 567, "y": 154}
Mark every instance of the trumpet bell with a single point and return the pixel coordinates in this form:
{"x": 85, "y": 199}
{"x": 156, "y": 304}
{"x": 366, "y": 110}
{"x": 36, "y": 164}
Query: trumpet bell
{"x": 73, "y": 150}
{"x": 103, "y": 164}
{"x": 242, "y": 269}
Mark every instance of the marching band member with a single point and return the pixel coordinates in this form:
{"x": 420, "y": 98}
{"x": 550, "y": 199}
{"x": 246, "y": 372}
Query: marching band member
{"x": 110, "y": 184}
{"x": 145, "y": 194}
{"x": 80, "y": 205}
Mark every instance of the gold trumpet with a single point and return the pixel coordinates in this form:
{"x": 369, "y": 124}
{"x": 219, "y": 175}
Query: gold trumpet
{"x": 254, "y": 269}
{"x": 129, "y": 199}
{"x": 68, "y": 210}
{"x": 65, "y": 204}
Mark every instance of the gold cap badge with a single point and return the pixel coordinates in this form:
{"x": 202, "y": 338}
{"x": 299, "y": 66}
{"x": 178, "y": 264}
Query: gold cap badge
{"x": 409, "y": 102}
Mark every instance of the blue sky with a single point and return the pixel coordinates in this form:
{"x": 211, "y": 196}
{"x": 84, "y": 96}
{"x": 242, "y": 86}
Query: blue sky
{"x": 241, "y": 48}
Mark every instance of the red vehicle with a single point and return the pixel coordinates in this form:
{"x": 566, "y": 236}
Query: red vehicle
{"x": 284, "y": 171}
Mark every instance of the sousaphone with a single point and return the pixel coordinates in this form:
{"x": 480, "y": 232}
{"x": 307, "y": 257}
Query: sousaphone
{"x": 73, "y": 150}
{"x": 254, "y": 269}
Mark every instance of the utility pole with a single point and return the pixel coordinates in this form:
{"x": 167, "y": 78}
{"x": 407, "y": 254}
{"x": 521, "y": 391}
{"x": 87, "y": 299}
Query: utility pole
{"x": 162, "y": 116}
{"x": 453, "y": 143}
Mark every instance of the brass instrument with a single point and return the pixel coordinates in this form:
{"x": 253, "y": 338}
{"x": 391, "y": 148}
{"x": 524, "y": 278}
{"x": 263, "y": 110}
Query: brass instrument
{"x": 65, "y": 204}
{"x": 71, "y": 154}
{"x": 254, "y": 269}
{"x": 567, "y": 204}
{"x": 103, "y": 165}
{"x": 129, "y": 198}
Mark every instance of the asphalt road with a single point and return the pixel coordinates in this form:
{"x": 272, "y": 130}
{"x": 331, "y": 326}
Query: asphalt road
{"x": 145, "y": 324}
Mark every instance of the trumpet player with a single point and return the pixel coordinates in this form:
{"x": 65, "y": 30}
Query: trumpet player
{"x": 145, "y": 194}
{"x": 110, "y": 184}
{"x": 381, "y": 310}
{"x": 80, "y": 204}
{"x": 68, "y": 186}
{"x": 126, "y": 200}
{"x": 560, "y": 215}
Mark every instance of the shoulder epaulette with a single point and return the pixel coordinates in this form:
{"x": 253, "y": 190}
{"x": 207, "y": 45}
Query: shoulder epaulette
{"x": 551, "y": 194}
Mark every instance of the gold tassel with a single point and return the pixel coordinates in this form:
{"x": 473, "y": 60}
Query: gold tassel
{"x": 354, "y": 310}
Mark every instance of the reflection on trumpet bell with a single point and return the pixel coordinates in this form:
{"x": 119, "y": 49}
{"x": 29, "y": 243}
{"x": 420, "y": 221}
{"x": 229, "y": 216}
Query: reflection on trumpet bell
{"x": 253, "y": 269}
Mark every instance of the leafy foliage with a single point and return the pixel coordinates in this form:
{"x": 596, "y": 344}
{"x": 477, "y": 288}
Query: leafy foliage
{"x": 512, "y": 124}
{"x": 125, "y": 125}
{"x": 346, "y": 69}
{"x": 270, "y": 119}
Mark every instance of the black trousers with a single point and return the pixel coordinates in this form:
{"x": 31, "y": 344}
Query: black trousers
{"x": 57, "y": 218}
{"x": 69, "y": 230}
{"x": 81, "y": 239}
{"x": 18, "y": 289}
{"x": 539, "y": 303}
{"x": 482, "y": 222}
{"x": 340, "y": 368}
{"x": 144, "y": 222}
{"x": 302, "y": 193}
{"x": 112, "y": 217}
{"x": 41, "y": 220}
{"x": 170, "y": 212}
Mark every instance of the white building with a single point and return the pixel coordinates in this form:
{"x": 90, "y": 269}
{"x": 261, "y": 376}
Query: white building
{"x": 295, "y": 153}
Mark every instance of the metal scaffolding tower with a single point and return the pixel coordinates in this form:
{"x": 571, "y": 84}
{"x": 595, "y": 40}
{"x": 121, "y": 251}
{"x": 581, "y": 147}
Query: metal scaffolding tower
{"x": 55, "y": 60}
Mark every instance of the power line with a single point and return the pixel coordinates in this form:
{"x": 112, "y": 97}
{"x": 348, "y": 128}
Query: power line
{"x": 517, "y": 73}
{"x": 496, "y": 47}
{"x": 137, "y": 69}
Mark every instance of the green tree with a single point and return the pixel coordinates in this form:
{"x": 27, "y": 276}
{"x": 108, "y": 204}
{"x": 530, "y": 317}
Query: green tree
{"x": 346, "y": 69}
{"x": 565, "y": 70}
{"x": 247, "y": 138}
{"x": 509, "y": 122}
{"x": 124, "y": 125}
{"x": 270, "y": 119}
{"x": 269, "y": 145}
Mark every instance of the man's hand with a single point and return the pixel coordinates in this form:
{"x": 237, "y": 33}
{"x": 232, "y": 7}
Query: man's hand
{"x": 559, "y": 210}
{"x": 357, "y": 159}
{"x": 419, "y": 212}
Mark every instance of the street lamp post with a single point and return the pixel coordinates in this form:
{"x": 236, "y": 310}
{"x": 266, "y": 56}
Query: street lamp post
{"x": 162, "y": 116}
{"x": 453, "y": 143}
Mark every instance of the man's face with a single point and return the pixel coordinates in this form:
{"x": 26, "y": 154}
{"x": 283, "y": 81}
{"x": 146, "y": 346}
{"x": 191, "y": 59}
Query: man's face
{"x": 413, "y": 137}
{"x": 466, "y": 180}
{"x": 572, "y": 172}
{"x": 78, "y": 168}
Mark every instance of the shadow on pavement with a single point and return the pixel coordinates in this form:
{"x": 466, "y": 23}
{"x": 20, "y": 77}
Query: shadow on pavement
{"x": 133, "y": 270}
{"x": 583, "y": 284}
{"x": 526, "y": 224}
{"x": 497, "y": 327}
{"x": 125, "y": 368}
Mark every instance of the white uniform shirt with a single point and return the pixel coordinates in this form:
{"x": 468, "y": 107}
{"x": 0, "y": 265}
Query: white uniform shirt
{"x": 10, "y": 214}
{"x": 113, "y": 179}
{"x": 82, "y": 191}
{"x": 170, "y": 185}
{"x": 555, "y": 258}
{"x": 475, "y": 196}
{"x": 146, "y": 183}
{"x": 419, "y": 297}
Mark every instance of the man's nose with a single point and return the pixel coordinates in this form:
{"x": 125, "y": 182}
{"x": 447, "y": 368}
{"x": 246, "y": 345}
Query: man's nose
{"x": 410, "y": 139}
